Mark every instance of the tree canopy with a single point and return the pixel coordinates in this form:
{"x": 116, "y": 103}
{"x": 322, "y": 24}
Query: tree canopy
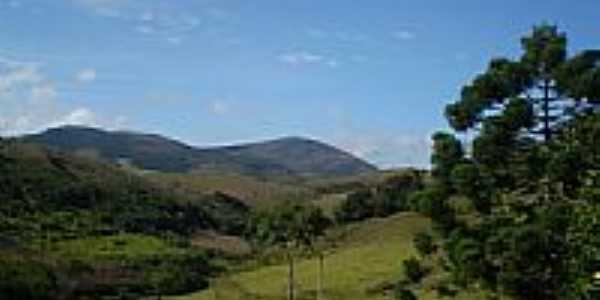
{"x": 531, "y": 172}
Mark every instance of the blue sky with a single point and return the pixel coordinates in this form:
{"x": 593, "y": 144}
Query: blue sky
{"x": 369, "y": 76}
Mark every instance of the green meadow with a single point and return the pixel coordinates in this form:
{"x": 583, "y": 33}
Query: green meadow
{"x": 367, "y": 258}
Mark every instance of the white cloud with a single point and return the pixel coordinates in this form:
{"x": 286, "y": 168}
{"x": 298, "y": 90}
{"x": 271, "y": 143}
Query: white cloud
{"x": 145, "y": 29}
{"x": 80, "y": 116}
{"x": 147, "y": 16}
{"x": 44, "y": 91}
{"x": 86, "y": 75}
{"x": 301, "y": 58}
{"x": 83, "y": 116}
{"x": 308, "y": 58}
{"x": 219, "y": 107}
{"x": 31, "y": 102}
{"x": 388, "y": 151}
{"x": 17, "y": 75}
{"x": 168, "y": 27}
{"x": 404, "y": 35}
{"x": 174, "y": 40}
{"x": 333, "y": 63}
{"x": 160, "y": 20}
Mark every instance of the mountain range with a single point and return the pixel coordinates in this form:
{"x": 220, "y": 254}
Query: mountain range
{"x": 291, "y": 156}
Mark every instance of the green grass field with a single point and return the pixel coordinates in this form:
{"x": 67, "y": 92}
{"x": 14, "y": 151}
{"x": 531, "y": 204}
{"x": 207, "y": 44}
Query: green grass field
{"x": 126, "y": 246}
{"x": 368, "y": 256}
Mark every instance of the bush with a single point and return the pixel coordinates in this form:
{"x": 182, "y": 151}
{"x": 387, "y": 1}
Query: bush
{"x": 444, "y": 289}
{"x": 402, "y": 293}
{"x": 381, "y": 200}
{"x": 285, "y": 223}
{"x": 357, "y": 206}
{"x": 423, "y": 242}
{"x": 179, "y": 274}
{"x": 21, "y": 279}
{"x": 413, "y": 270}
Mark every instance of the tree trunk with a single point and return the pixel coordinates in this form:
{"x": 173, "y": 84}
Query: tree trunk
{"x": 546, "y": 108}
{"x": 320, "y": 277}
{"x": 291, "y": 277}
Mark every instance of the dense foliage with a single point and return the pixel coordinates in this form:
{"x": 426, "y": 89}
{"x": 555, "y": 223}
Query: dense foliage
{"x": 59, "y": 210}
{"x": 383, "y": 200}
{"x": 531, "y": 174}
{"x": 289, "y": 224}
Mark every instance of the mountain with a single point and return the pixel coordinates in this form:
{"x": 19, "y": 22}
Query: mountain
{"x": 286, "y": 156}
{"x": 303, "y": 156}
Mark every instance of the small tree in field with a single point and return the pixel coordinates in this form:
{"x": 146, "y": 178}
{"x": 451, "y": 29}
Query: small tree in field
{"x": 293, "y": 226}
{"x": 423, "y": 242}
{"x": 401, "y": 293}
{"x": 413, "y": 270}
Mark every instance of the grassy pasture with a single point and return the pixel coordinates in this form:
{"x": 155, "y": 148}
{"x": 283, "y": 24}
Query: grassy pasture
{"x": 367, "y": 257}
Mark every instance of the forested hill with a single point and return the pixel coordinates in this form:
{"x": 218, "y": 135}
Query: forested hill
{"x": 287, "y": 156}
{"x": 34, "y": 180}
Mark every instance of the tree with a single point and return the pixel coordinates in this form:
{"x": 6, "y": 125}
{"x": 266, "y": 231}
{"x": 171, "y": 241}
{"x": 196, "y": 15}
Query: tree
{"x": 293, "y": 226}
{"x": 447, "y": 152}
{"x": 469, "y": 181}
{"x": 516, "y": 101}
{"x": 423, "y": 242}
{"x": 357, "y": 206}
{"x": 21, "y": 279}
{"x": 401, "y": 293}
{"x": 532, "y": 159}
{"x": 413, "y": 270}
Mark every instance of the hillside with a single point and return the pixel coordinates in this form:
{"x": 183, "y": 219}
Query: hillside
{"x": 72, "y": 227}
{"x": 253, "y": 191}
{"x": 36, "y": 180}
{"x": 303, "y": 157}
{"x": 367, "y": 258}
{"x": 287, "y": 156}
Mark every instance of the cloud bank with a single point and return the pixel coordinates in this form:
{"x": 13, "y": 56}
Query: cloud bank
{"x": 31, "y": 101}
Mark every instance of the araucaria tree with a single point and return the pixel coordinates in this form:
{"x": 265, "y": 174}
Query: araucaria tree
{"x": 529, "y": 171}
{"x": 516, "y": 103}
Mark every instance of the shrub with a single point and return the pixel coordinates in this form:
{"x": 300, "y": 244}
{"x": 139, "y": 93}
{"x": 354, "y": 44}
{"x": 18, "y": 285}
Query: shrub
{"x": 402, "y": 293}
{"x": 423, "y": 242}
{"x": 413, "y": 270}
{"x": 21, "y": 279}
{"x": 357, "y": 206}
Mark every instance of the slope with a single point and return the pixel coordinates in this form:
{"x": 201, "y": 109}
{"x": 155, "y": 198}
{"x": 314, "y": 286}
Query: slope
{"x": 367, "y": 258}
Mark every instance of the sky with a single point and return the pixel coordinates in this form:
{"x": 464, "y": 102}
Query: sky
{"x": 371, "y": 77}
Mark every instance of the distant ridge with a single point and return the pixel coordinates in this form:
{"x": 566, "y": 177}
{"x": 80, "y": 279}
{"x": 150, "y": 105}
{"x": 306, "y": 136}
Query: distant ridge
{"x": 292, "y": 156}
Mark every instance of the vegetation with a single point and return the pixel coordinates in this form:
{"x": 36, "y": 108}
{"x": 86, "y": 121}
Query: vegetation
{"x": 423, "y": 243}
{"x": 515, "y": 212}
{"x": 254, "y": 192}
{"x": 111, "y": 226}
{"x": 404, "y": 294}
{"x": 530, "y": 175}
{"x": 413, "y": 270}
{"x": 363, "y": 262}
{"x": 383, "y": 200}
